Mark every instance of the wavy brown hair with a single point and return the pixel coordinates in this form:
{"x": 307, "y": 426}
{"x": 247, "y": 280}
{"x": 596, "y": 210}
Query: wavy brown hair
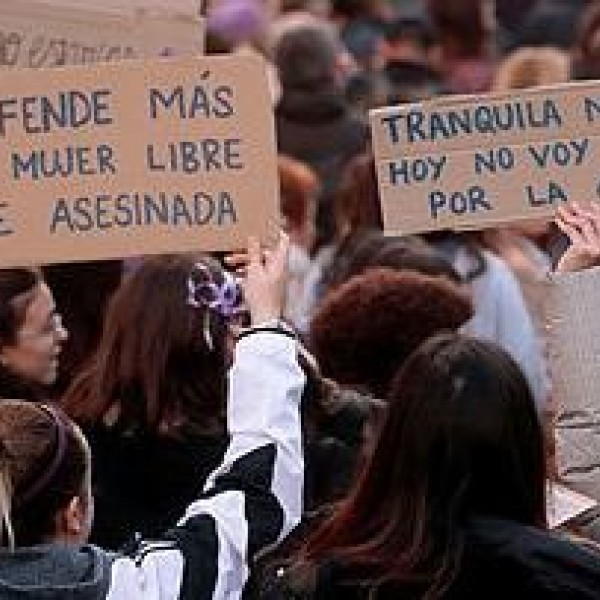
{"x": 153, "y": 361}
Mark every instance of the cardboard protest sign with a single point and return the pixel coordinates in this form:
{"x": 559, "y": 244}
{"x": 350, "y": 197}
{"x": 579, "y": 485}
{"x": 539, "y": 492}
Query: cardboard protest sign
{"x": 135, "y": 157}
{"x": 34, "y": 35}
{"x": 179, "y": 7}
{"x": 574, "y": 342}
{"x": 476, "y": 162}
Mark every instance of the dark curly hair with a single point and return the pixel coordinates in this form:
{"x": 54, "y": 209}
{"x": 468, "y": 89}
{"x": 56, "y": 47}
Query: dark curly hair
{"x": 366, "y": 328}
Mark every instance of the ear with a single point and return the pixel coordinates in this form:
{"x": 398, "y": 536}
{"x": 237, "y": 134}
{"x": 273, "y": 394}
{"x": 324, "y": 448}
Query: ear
{"x": 71, "y": 522}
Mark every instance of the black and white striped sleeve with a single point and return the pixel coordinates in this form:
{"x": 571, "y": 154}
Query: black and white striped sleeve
{"x": 251, "y": 501}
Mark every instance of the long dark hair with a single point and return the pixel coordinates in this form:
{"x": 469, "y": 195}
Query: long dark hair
{"x": 461, "y": 439}
{"x": 154, "y": 360}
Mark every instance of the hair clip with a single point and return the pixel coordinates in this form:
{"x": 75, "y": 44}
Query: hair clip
{"x": 224, "y": 299}
{"x": 204, "y": 292}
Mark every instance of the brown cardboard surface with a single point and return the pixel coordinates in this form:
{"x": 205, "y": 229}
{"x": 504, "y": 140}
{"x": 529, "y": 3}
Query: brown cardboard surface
{"x": 574, "y": 336}
{"x": 133, "y": 202}
{"x": 455, "y": 163}
{"x": 181, "y": 7}
{"x": 36, "y": 35}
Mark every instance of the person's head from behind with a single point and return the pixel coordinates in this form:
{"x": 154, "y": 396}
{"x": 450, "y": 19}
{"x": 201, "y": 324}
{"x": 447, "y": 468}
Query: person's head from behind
{"x": 368, "y": 326}
{"x": 165, "y": 350}
{"x": 407, "y": 39}
{"x": 461, "y": 440}
{"x": 31, "y": 330}
{"x": 467, "y": 419}
{"x": 374, "y": 250}
{"x": 45, "y": 476}
{"x": 307, "y": 59}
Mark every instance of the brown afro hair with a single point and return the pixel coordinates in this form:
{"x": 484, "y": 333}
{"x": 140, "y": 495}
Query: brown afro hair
{"x": 365, "y": 329}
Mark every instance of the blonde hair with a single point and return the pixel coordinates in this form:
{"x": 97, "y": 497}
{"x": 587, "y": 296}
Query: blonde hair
{"x": 44, "y": 461}
{"x": 533, "y": 67}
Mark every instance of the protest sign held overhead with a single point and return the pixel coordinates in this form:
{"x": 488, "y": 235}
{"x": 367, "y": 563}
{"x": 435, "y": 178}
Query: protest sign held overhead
{"x": 134, "y": 158}
{"x": 37, "y": 35}
{"x": 475, "y": 162}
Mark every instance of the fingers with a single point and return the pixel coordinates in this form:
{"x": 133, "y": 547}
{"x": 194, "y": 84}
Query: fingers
{"x": 264, "y": 285}
{"x": 590, "y": 222}
{"x": 254, "y": 253}
{"x": 582, "y": 225}
{"x": 272, "y": 259}
{"x": 237, "y": 260}
{"x": 569, "y": 223}
{"x": 571, "y": 232}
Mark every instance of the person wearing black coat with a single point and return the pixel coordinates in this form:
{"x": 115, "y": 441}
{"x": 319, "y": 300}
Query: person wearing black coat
{"x": 313, "y": 119}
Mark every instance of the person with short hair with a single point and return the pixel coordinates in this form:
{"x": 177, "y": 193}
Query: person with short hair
{"x": 312, "y": 118}
{"x": 407, "y": 74}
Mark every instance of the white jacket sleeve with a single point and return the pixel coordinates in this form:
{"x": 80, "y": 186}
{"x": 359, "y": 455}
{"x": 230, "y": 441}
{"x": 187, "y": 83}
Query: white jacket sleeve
{"x": 251, "y": 501}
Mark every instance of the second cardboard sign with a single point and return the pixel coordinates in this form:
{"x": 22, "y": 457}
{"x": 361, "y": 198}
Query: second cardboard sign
{"x": 471, "y": 163}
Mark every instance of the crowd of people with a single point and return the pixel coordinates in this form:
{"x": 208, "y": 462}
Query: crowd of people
{"x": 342, "y": 414}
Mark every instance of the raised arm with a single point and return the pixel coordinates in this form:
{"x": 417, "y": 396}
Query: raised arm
{"x": 255, "y": 497}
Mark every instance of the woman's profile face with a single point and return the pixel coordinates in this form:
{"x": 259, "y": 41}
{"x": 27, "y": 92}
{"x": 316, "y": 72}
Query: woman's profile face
{"x": 34, "y": 354}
